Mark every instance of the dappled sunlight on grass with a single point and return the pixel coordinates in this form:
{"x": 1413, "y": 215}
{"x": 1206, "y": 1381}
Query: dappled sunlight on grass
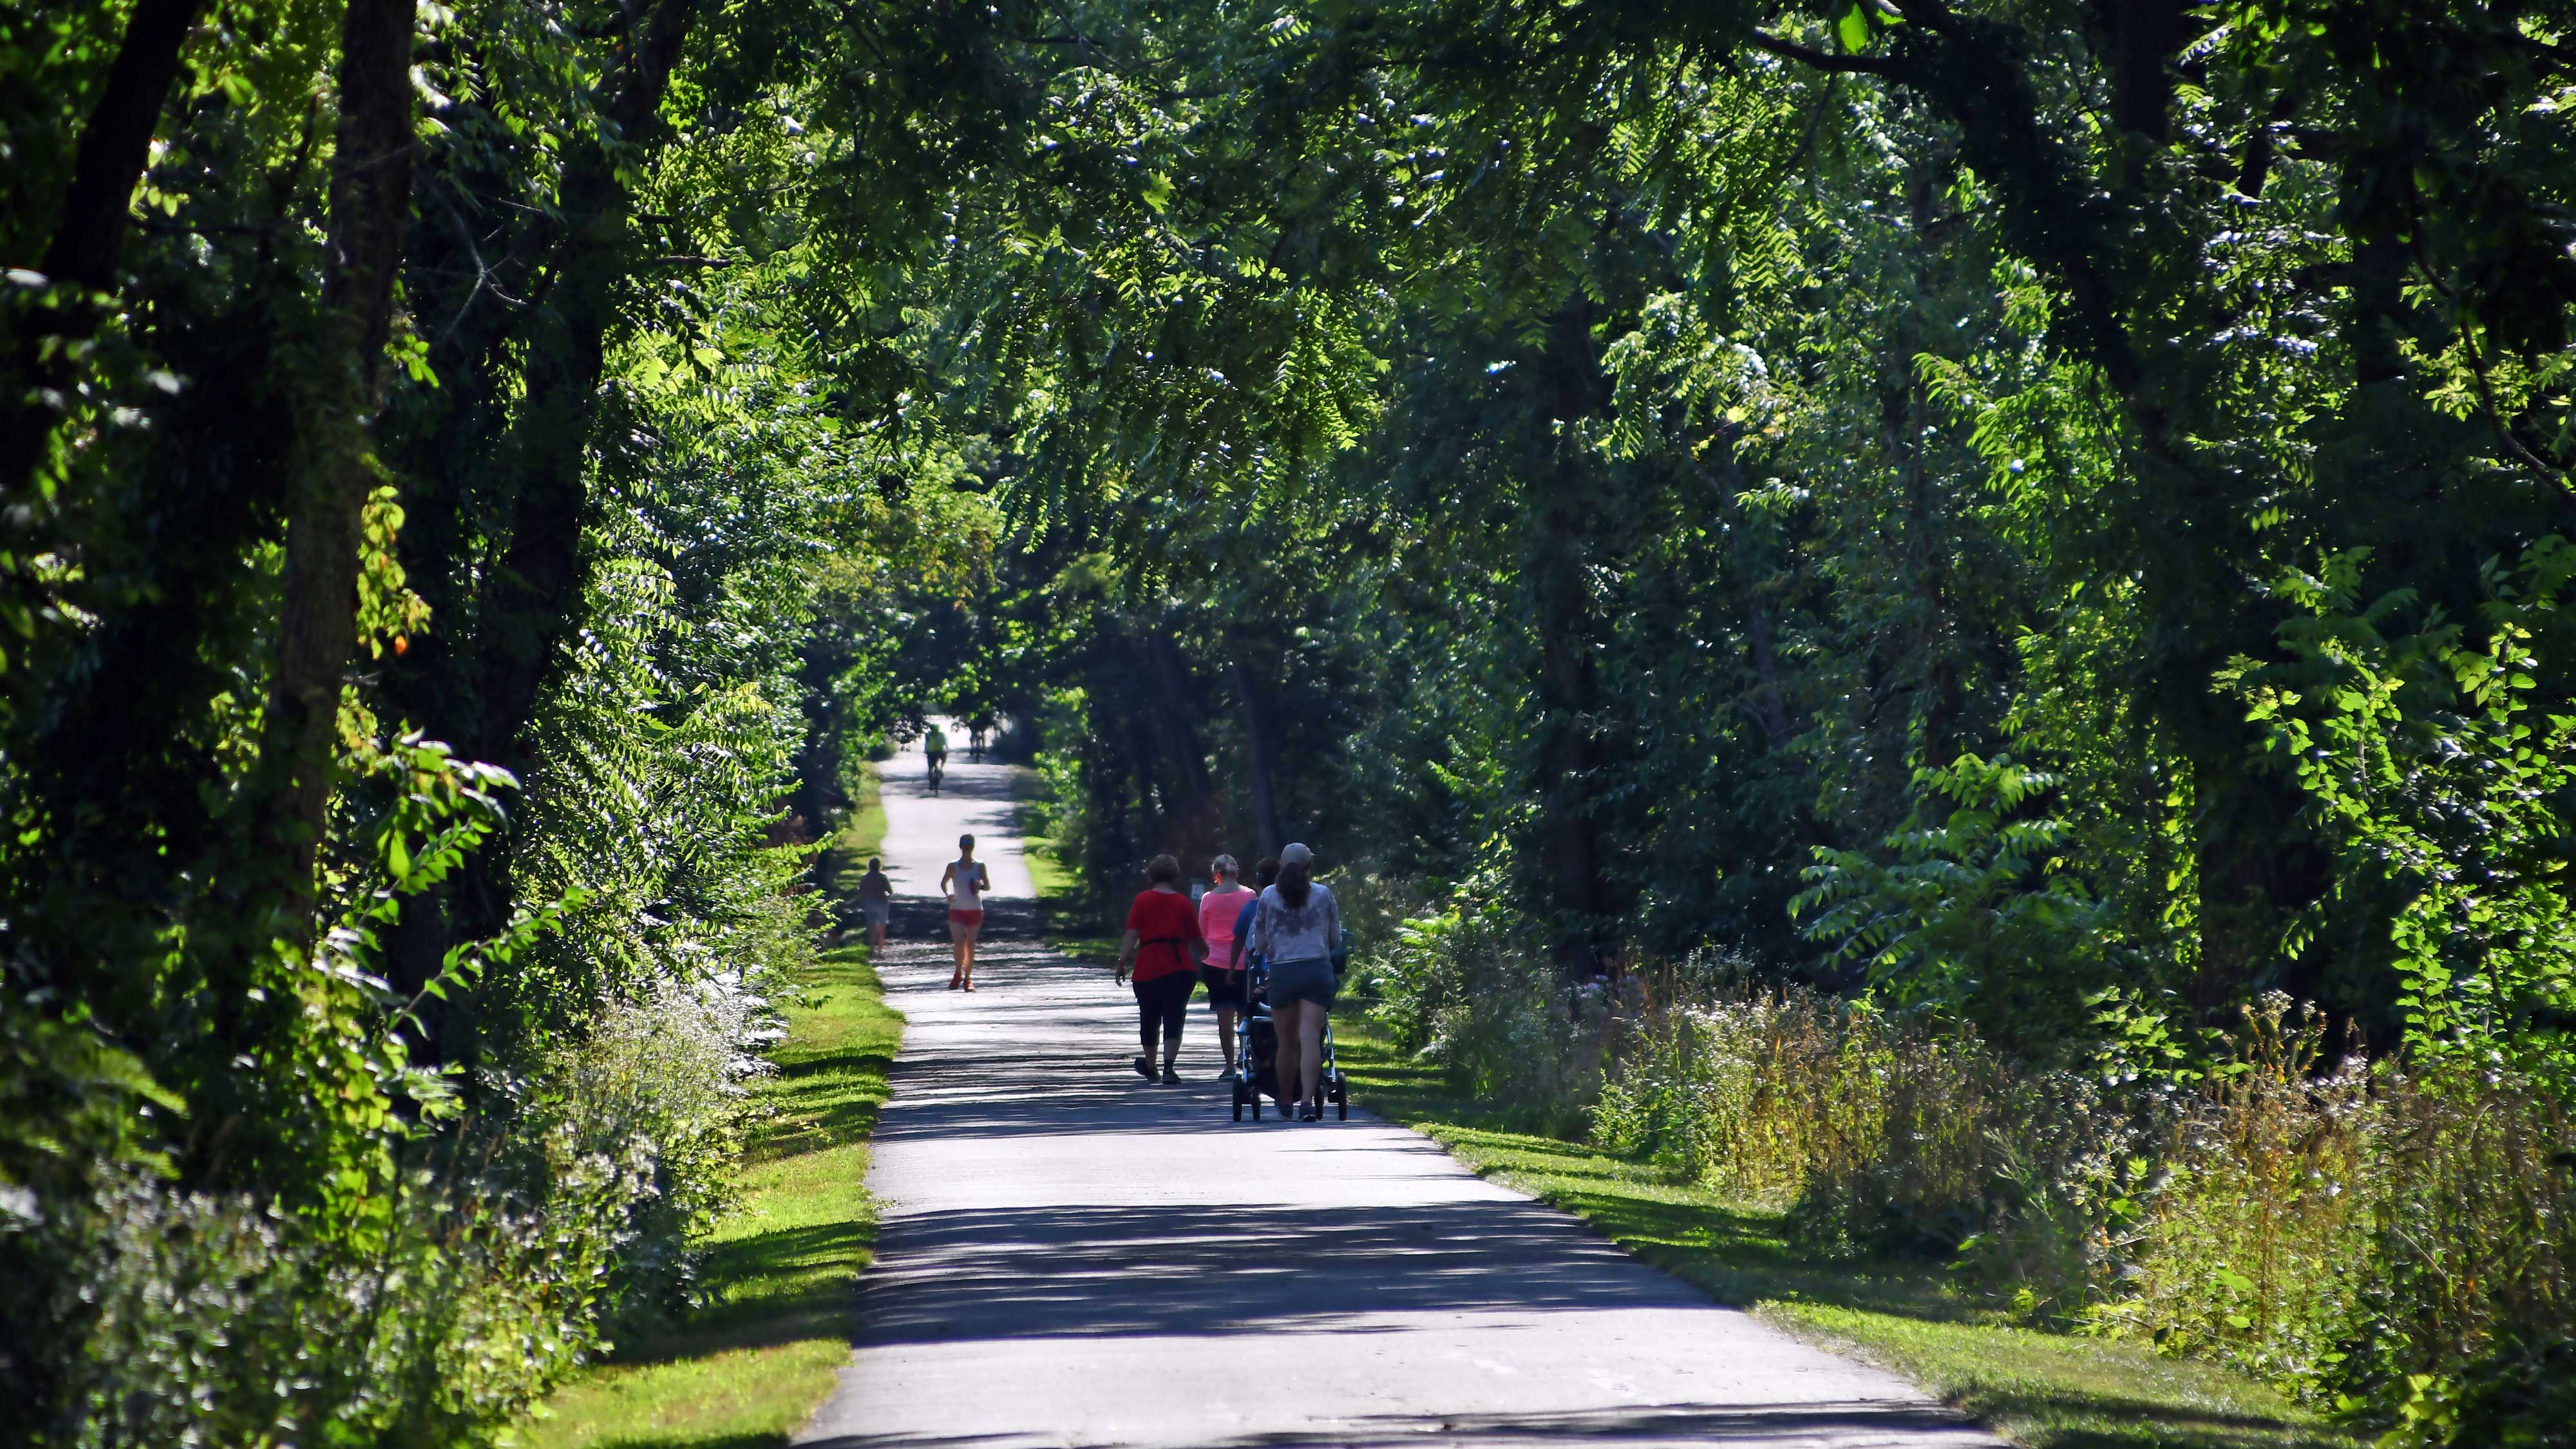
{"x": 2045, "y": 1390}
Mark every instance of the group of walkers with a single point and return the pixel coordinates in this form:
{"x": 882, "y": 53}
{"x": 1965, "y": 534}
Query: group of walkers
{"x": 1285, "y": 923}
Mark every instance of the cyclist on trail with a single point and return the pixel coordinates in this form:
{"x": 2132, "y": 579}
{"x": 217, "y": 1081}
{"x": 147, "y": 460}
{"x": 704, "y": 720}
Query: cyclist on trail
{"x": 976, "y": 729}
{"x": 935, "y": 745}
{"x": 966, "y": 882}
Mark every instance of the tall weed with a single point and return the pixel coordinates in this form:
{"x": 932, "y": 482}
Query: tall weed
{"x": 2397, "y": 1240}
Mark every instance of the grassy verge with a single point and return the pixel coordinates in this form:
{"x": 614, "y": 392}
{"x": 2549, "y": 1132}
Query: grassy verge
{"x": 2044, "y": 1390}
{"x": 750, "y": 1368}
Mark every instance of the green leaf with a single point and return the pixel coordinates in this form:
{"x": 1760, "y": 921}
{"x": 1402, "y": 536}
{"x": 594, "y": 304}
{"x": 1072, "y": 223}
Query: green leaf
{"x": 1854, "y": 29}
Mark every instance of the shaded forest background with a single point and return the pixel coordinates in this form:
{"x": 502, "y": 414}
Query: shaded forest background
{"x": 2044, "y": 519}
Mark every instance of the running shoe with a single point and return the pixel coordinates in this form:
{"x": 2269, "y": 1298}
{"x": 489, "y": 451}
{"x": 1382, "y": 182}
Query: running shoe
{"x": 1145, "y": 1068}
{"x": 1309, "y": 1112}
{"x": 1230, "y": 1075}
{"x": 1171, "y": 1077}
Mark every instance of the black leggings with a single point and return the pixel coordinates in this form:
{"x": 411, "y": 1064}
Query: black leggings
{"x": 1162, "y": 1004}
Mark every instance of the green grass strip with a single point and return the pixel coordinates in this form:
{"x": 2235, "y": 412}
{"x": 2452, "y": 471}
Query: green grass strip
{"x": 749, "y": 1369}
{"x": 2039, "y": 1389}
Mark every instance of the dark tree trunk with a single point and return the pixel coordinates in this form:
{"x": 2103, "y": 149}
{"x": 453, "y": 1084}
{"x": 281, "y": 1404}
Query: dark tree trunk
{"x": 1938, "y": 705}
{"x": 117, "y": 142}
{"x": 1767, "y": 702}
{"x": 273, "y": 889}
{"x": 1190, "y": 824}
{"x": 1569, "y": 385}
{"x": 1257, "y": 761}
{"x": 318, "y": 621}
{"x": 1567, "y": 691}
{"x": 531, "y": 603}
{"x": 114, "y": 148}
{"x": 2147, "y": 35}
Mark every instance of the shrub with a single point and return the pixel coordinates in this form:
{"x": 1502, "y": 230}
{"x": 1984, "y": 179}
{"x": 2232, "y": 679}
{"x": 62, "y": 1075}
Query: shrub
{"x": 657, "y": 1083}
{"x": 218, "y": 1321}
{"x": 433, "y": 1310}
{"x": 1465, "y": 990}
{"x": 1881, "y": 1130}
{"x": 2397, "y": 1240}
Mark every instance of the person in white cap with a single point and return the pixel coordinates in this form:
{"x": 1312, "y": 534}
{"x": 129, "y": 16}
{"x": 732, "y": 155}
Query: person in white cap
{"x": 1296, "y": 928}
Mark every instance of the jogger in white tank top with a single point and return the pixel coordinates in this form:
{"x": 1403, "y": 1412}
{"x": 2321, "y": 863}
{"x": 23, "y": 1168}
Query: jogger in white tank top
{"x": 966, "y": 882}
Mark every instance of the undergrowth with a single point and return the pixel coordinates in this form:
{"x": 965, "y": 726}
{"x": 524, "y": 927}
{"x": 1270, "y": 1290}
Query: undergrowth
{"x": 2387, "y": 1242}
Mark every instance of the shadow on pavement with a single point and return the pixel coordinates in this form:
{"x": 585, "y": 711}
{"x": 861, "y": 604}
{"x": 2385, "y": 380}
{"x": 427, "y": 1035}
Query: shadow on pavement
{"x": 1203, "y": 1271}
{"x": 1779, "y": 1424}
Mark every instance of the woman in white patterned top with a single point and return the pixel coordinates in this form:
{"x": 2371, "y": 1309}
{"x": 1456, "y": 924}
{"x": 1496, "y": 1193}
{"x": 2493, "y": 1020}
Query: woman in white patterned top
{"x": 1297, "y": 928}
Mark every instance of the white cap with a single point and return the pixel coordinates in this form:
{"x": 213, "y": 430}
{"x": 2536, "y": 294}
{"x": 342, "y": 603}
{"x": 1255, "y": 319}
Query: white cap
{"x": 1296, "y": 854}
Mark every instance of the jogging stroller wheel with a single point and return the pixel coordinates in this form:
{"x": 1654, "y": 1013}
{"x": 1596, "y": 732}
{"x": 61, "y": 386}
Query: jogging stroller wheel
{"x": 1238, "y": 1109}
{"x": 1256, "y": 1106}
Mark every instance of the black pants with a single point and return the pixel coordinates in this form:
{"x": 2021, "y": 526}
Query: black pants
{"x": 1161, "y": 1005}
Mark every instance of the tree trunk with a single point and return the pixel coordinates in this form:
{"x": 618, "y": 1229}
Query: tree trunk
{"x": 114, "y": 148}
{"x": 1569, "y": 386}
{"x": 328, "y": 482}
{"x": 1768, "y": 701}
{"x": 318, "y": 622}
{"x": 529, "y": 606}
{"x": 1190, "y": 826}
{"x": 2147, "y": 34}
{"x": 1567, "y": 692}
{"x": 1257, "y": 762}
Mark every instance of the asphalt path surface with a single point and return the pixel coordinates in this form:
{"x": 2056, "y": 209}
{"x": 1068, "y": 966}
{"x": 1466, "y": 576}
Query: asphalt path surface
{"x": 1072, "y": 1256}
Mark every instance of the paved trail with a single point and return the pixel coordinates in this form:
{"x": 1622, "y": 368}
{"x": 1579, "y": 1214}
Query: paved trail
{"x": 1071, "y": 1256}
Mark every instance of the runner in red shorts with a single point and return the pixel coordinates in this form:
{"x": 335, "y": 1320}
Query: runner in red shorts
{"x": 966, "y": 882}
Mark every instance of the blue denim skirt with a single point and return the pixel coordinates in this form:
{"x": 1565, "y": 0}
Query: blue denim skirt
{"x": 1310, "y": 980}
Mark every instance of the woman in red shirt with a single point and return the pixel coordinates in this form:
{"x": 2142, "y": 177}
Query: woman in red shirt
{"x": 1164, "y": 946}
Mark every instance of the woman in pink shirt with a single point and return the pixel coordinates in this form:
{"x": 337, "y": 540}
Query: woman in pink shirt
{"x": 1217, "y": 909}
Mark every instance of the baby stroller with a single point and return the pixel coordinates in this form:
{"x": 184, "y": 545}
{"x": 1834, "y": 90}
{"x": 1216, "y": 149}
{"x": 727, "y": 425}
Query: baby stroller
{"x": 1257, "y": 1049}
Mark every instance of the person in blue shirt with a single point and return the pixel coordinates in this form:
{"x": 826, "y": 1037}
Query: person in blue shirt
{"x": 1265, "y": 873}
